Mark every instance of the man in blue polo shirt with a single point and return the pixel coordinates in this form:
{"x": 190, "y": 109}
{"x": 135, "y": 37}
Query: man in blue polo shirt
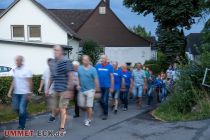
{"x": 106, "y": 80}
{"x": 118, "y": 82}
{"x": 128, "y": 86}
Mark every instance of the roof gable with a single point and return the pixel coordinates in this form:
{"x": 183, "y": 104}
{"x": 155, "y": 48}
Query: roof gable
{"x": 108, "y": 30}
{"x": 48, "y": 13}
{"x": 194, "y": 40}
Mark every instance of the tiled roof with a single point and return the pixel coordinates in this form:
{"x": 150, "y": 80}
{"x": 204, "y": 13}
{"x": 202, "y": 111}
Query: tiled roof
{"x": 73, "y": 18}
{"x": 194, "y": 40}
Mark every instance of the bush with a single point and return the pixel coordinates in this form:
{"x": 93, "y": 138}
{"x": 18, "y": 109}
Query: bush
{"x": 154, "y": 67}
{"x": 92, "y": 49}
{"x": 5, "y": 85}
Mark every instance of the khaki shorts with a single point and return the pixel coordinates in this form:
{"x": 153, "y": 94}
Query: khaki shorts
{"x": 85, "y": 99}
{"x": 59, "y": 101}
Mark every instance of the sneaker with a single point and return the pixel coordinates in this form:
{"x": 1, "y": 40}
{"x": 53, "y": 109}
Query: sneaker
{"x": 125, "y": 109}
{"x": 62, "y": 131}
{"x": 87, "y": 123}
{"x": 105, "y": 117}
{"x": 51, "y": 119}
{"x": 115, "y": 111}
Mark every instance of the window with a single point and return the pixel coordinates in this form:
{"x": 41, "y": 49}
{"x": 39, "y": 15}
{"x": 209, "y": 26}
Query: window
{"x": 102, "y": 10}
{"x": 18, "y": 32}
{"x": 34, "y": 33}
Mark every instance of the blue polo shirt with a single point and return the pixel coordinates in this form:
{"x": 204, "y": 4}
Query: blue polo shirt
{"x": 127, "y": 76}
{"x": 104, "y": 75}
{"x": 117, "y": 79}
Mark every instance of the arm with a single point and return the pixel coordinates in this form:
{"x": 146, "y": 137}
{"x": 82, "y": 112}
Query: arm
{"x": 48, "y": 86}
{"x": 30, "y": 85}
{"x": 132, "y": 83}
{"x": 96, "y": 84}
{"x": 123, "y": 83}
{"x": 41, "y": 86}
{"x": 71, "y": 79}
{"x": 9, "y": 94}
{"x": 145, "y": 82}
{"x": 112, "y": 81}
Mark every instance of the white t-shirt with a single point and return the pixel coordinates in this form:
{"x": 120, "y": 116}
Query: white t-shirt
{"x": 21, "y": 84}
{"x": 169, "y": 73}
{"x": 46, "y": 77}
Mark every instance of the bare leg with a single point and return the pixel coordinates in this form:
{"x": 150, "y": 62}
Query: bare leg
{"x": 116, "y": 104}
{"x": 63, "y": 117}
{"x": 89, "y": 113}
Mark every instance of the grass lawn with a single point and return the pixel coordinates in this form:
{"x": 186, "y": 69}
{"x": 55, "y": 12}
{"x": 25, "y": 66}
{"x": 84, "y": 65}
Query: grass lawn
{"x": 7, "y": 113}
{"x": 165, "y": 113}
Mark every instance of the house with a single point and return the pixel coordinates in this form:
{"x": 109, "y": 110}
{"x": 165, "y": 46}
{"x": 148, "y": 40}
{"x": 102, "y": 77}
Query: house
{"x": 119, "y": 43}
{"x": 103, "y": 26}
{"x": 194, "y": 40}
{"x": 29, "y": 29}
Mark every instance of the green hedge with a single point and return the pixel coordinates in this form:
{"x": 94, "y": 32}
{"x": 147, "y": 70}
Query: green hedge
{"x": 5, "y": 85}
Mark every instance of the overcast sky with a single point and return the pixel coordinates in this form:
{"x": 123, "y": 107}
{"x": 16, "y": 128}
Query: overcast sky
{"x": 129, "y": 18}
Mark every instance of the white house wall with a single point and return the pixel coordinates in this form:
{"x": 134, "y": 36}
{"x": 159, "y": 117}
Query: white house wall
{"x": 128, "y": 54}
{"x": 35, "y": 57}
{"x": 26, "y": 13}
{"x": 75, "y": 46}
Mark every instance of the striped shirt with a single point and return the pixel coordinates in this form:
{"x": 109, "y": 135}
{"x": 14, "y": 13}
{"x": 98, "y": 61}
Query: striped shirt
{"x": 59, "y": 74}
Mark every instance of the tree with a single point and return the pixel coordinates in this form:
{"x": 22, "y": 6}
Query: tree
{"x": 173, "y": 16}
{"x": 172, "y": 43}
{"x": 141, "y": 31}
{"x": 93, "y": 50}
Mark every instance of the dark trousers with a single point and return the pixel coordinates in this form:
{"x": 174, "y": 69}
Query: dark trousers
{"x": 124, "y": 97}
{"x": 76, "y": 109}
{"x": 104, "y": 101}
{"x": 19, "y": 104}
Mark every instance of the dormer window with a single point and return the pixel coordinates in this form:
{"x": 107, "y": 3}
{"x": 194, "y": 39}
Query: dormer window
{"x": 102, "y": 10}
{"x": 17, "y": 32}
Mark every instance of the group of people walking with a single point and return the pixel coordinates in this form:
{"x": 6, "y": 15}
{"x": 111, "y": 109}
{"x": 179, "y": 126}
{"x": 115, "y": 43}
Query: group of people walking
{"x": 64, "y": 81}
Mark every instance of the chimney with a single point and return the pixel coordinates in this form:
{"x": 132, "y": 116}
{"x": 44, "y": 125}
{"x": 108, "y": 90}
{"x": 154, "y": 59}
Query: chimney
{"x": 107, "y": 3}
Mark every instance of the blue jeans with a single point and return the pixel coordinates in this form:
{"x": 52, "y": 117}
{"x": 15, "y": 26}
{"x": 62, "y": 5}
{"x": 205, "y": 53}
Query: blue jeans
{"x": 138, "y": 91}
{"x": 150, "y": 91}
{"x": 19, "y": 104}
{"x": 116, "y": 93}
{"x": 163, "y": 93}
{"x": 104, "y": 102}
{"x": 124, "y": 96}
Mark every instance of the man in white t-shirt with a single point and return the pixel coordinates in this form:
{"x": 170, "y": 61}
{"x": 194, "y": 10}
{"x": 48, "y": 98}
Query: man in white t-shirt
{"x": 21, "y": 87}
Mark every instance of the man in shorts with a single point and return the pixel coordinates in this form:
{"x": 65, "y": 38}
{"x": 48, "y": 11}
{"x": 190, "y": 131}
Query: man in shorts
{"x": 140, "y": 83}
{"x": 88, "y": 80}
{"x": 62, "y": 77}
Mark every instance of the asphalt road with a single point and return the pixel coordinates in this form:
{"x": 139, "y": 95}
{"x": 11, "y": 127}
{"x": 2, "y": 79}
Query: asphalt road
{"x": 133, "y": 124}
